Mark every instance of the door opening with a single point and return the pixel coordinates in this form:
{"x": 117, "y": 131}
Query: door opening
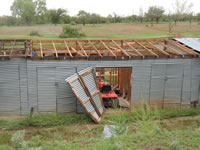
{"x": 115, "y": 85}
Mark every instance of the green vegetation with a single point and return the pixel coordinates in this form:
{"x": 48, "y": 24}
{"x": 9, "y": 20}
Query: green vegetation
{"x": 34, "y": 33}
{"x": 71, "y": 32}
{"x": 141, "y": 128}
{"x": 45, "y": 120}
{"x": 103, "y": 31}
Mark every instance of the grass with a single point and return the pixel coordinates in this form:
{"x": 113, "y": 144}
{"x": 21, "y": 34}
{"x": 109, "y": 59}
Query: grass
{"x": 105, "y": 31}
{"x": 45, "y": 120}
{"x": 144, "y": 113}
{"x": 141, "y": 128}
{"x": 143, "y": 132}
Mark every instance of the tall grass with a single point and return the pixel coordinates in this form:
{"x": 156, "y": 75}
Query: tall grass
{"x": 45, "y": 120}
{"x": 144, "y": 112}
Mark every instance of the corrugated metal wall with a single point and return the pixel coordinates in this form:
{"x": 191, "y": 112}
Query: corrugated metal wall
{"x": 40, "y": 84}
{"x": 13, "y": 87}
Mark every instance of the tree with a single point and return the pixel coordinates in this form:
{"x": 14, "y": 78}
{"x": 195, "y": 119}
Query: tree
{"x": 57, "y": 15}
{"x": 41, "y": 11}
{"x": 24, "y": 9}
{"x": 181, "y": 8}
{"x": 40, "y": 7}
{"x": 155, "y": 13}
{"x": 94, "y": 18}
{"x": 141, "y": 15}
{"x": 83, "y": 15}
{"x": 198, "y": 18}
{"x": 170, "y": 23}
{"x": 189, "y": 17}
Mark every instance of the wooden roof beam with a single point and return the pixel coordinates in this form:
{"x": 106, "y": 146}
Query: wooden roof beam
{"x": 186, "y": 48}
{"x": 121, "y": 48}
{"x": 172, "y": 50}
{"x": 181, "y": 48}
{"x": 68, "y": 49}
{"x": 12, "y": 47}
{"x": 107, "y": 48}
{"x": 95, "y": 48}
{"x": 150, "y": 51}
{"x": 159, "y": 49}
{"x": 55, "y": 49}
{"x": 134, "y": 49}
{"x": 79, "y": 44}
{"x": 41, "y": 50}
{"x": 76, "y": 51}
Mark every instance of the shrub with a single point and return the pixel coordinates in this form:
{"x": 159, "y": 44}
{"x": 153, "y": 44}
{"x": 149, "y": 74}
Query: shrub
{"x": 34, "y": 33}
{"x": 144, "y": 112}
{"x": 72, "y": 23}
{"x": 69, "y": 32}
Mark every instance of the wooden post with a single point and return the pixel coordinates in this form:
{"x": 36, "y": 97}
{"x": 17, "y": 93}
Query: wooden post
{"x": 113, "y": 76}
{"x": 121, "y": 81}
{"x": 125, "y": 81}
{"x": 110, "y": 76}
{"x": 129, "y": 84}
{"x": 118, "y": 72}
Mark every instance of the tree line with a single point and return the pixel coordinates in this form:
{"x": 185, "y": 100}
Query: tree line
{"x": 29, "y": 12}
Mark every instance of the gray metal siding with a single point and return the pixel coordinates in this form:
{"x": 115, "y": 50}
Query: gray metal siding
{"x": 64, "y": 95}
{"x": 46, "y": 89}
{"x": 9, "y": 89}
{"x": 65, "y": 101}
{"x": 19, "y": 72}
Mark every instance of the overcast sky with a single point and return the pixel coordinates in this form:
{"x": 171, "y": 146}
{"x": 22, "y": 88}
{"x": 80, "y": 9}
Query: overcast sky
{"x": 103, "y": 7}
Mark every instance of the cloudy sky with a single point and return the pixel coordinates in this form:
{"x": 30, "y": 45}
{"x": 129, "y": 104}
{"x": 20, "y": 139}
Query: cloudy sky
{"x": 103, "y": 7}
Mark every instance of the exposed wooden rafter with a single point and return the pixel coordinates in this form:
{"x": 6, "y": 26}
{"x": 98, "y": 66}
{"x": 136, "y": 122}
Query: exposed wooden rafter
{"x": 70, "y": 54}
{"x": 120, "y": 48}
{"x": 12, "y": 47}
{"x": 55, "y": 49}
{"x": 86, "y": 48}
{"x": 79, "y": 44}
{"x": 179, "y": 47}
{"x": 159, "y": 49}
{"x": 76, "y": 51}
{"x": 41, "y": 50}
{"x": 108, "y": 48}
{"x": 134, "y": 49}
{"x": 172, "y": 50}
{"x": 95, "y": 48}
{"x": 150, "y": 51}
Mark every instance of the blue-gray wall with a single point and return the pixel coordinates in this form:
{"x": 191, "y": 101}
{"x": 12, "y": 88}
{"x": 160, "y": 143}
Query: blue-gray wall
{"x": 25, "y": 83}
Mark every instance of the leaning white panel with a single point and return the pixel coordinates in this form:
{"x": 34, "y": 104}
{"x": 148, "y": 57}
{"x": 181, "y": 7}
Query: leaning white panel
{"x": 82, "y": 95}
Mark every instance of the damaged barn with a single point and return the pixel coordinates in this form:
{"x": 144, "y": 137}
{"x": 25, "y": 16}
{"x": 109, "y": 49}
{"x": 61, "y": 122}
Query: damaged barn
{"x": 160, "y": 71}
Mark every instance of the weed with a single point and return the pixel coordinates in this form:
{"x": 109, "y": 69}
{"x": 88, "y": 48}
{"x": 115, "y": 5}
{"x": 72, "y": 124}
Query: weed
{"x": 18, "y": 140}
{"x": 35, "y": 142}
{"x": 174, "y": 144}
{"x": 118, "y": 124}
{"x": 144, "y": 112}
{"x": 5, "y": 138}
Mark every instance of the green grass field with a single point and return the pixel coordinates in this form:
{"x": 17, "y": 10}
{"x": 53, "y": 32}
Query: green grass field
{"x": 105, "y": 31}
{"x": 138, "y": 129}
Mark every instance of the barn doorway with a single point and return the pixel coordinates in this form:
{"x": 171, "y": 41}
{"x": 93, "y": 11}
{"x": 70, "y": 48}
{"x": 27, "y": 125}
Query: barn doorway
{"x": 115, "y": 84}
